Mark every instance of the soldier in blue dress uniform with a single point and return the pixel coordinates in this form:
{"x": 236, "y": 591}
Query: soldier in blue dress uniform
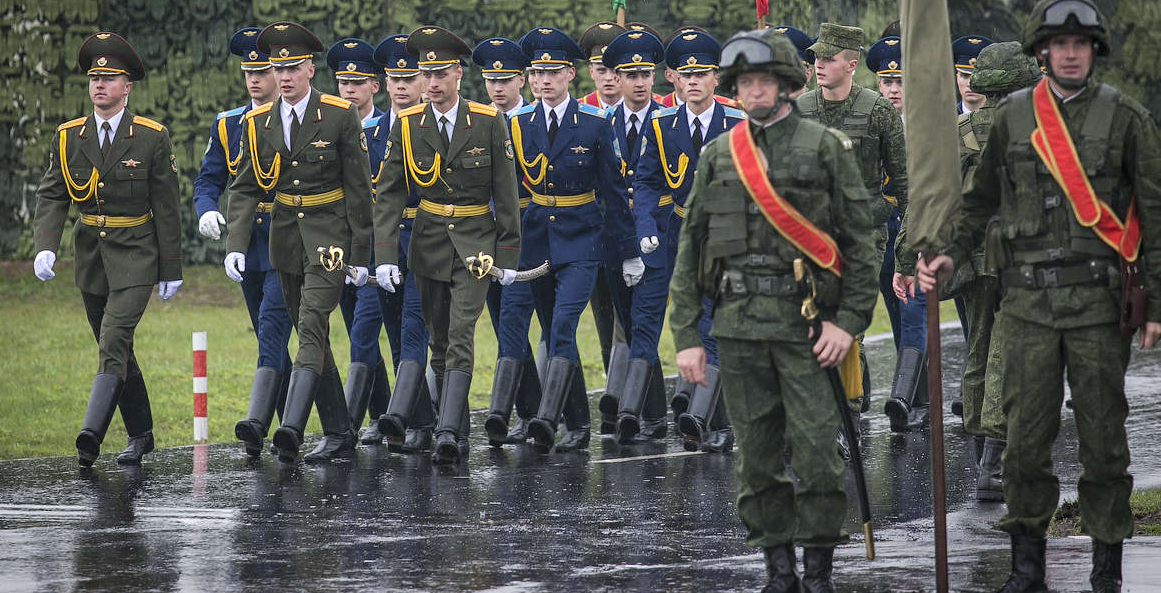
{"x": 802, "y": 43}
{"x": 568, "y": 161}
{"x": 633, "y": 55}
{"x": 408, "y": 419}
{"x": 673, "y": 140}
{"x": 260, "y": 287}
{"x": 356, "y": 72}
{"x": 965, "y": 50}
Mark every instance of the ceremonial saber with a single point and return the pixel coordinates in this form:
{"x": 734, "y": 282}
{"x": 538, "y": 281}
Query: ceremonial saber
{"x": 481, "y": 266}
{"x": 331, "y": 259}
{"x": 809, "y": 312}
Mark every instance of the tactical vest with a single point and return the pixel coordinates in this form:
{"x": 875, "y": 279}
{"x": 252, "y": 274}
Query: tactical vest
{"x": 1037, "y": 219}
{"x": 973, "y": 136}
{"x": 856, "y": 124}
{"x": 742, "y": 245}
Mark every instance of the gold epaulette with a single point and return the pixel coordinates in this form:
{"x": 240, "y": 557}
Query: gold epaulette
{"x": 481, "y": 109}
{"x": 259, "y": 110}
{"x": 71, "y": 123}
{"x": 413, "y": 110}
{"x": 334, "y": 101}
{"x": 145, "y": 121}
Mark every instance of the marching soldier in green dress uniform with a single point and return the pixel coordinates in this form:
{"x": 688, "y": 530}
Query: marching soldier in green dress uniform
{"x": 119, "y": 169}
{"x": 773, "y": 189}
{"x": 457, "y": 156}
{"x": 309, "y": 148}
{"x": 1071, "y": 166}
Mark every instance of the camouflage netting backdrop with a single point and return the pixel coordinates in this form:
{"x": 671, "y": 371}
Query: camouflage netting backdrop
{"x": 192, "y": 76}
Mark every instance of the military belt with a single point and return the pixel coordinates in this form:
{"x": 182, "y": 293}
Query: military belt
{"x": 453, "y": 211}
{"x": 309, "y": 200}
{"x": 664, "y": 200}
{"x": 564, "y": 201}
{"x": 115, "y": 222}
{"x": 735, "y": 283}
{"x": 410, "y": 212}
{"x": 1095, "y": 271}
{"x": 264, "y": 207}
{"x": 680, "y": 210}
{"x": 524, "y": 202}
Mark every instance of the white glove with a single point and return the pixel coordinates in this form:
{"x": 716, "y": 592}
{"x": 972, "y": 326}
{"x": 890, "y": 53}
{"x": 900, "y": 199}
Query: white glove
{"x": 42, "y": 265}
{"x": 167, "y": 288}
{"x": 387, "y": 275}
{"x": 235, "y": 265}
{"x": 632, "y": 270}
{"x": 361, "y": 274}
{"x": 209, "y": 225}
{"x": 649, "y": 245}
{"x": 508, "y": 278}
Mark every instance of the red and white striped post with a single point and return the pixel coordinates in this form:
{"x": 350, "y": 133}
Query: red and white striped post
{"x": 201, "y": 427}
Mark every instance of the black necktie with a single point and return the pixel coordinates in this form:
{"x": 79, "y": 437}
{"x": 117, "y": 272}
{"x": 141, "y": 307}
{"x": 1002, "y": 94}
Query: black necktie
{"x": 631, "y": 137}
{"x": 443, "y": 123}
{"x": 696, "y": 139}
{"x": 108, "y": 132}
{"x": 294, "y": 125}
{"x": 552, "y": 127}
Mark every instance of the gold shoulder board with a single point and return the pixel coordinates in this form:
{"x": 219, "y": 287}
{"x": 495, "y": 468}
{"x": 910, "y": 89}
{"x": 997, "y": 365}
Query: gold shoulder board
{"x": 334, "y": 101}
{"x": 145, "y": 121}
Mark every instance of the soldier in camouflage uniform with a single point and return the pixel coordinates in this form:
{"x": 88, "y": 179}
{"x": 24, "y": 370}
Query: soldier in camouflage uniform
{"x": 1062, "y": 293}
{"x": 776, "y": 389}
{"x": 869, "y": 120}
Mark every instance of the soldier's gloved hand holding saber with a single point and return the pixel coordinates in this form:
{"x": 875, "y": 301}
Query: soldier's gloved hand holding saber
{"x": 331, "y": 259}
{"x": 805, "y": 280}
{"x": 481, "y": 265}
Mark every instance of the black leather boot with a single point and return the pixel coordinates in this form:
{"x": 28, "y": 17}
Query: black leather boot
{"x": 393, "y": 423}
{"x": 338, "y": 440}
{"x": 1106, "y": 567}
{"x": 260, "y": 411}
{"x": 694, "y": 423}
{"x": 781, "y": 570}
{"x": 299, "y": 399}
{"x": 557, "y": 386}
{"x": 418, "y": 437}
{"x": 1028, "y": 562}
{"x": 357, "y": 391}
{"x": 903, "y": 386}
{"x": 450, "y": 433}
{"x": 138, "y": 419}
{"x": 720, "y": 438}
{"x": 979, "y": 442}
{"x": 98, "y": 414}
{"x": 527, "y": 403}
{"x": 618, "y": 366}
{"x": 505, "y": 384}
{"x": 990, "y": 484}
{"x": 654, "y": 425}
{"x": 280, "y": 407}
{"x": 920, "y": 406}
{"x": 817, "y": 565}
{"x": 577, "y": 419}
{"x": 633, "y": 400}
{"x": 679, "y": 403}
{"x": 376, "y": 405}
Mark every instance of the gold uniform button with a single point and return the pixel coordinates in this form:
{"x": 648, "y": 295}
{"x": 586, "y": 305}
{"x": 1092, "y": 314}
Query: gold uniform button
{"x": 402, "y": 226}
{"x": 301, "y": 215}
{"x": 552, "y": 219}
{"x": 451, "y": 227}
{"x": 630, "y": 190}
{"x": 259, "y": 221}
{"x": 100, "y": 184}
{"x": 550, "y": 167}
{"x": 629, "y": 172}
{"x": 447, "y": 170}
{"x": 450, "y": 190}
{"x": 296, "y": 182}
{"x": 100, "y": 201}
{"x": 102, "y": 234}
{"x": 293, "y": 163}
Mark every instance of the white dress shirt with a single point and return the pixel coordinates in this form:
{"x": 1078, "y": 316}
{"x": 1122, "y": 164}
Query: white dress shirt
{"x": 559, "y": 109}
{"x": 451, "y": 118}
{"x": 641, "y": 116}
{"x": 113, "y": 123}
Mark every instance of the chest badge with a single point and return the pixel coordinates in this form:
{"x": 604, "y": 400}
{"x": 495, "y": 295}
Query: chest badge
{"x": 476, "y": 151}
{"x": 320, "y": 143}
{"x": 579, "y": 149}
{"x": 131, "y": 163}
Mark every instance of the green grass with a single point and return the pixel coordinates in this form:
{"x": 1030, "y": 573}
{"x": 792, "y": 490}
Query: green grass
{"x": 52, "y": 357}
{"x": 1145, "y": 504}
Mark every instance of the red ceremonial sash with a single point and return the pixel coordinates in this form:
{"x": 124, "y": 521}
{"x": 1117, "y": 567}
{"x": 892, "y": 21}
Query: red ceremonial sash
{"x": 791, "y": 224}
{"x": 1054, "y": 146}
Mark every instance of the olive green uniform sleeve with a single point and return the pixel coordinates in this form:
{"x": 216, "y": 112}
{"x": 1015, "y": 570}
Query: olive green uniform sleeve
{"x": 981, "y": 197}
{"x": 52, "y": 204}
{"x": 1143, "y": 164}
{"x": 855, "y": 239}
{"x": 164, "y": 201}
{"x": 685, "y": 296}
{"x": 356, "y": 186}
{"x": 392, "y": 197}
{"x": 244, "y": 197}
{"x": 893, "y": 149}
{"x": 505, "y": 204}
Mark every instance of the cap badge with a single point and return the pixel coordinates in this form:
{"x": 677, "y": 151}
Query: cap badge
{"x": 352, "y": 66}
{"x": 972, "y": 62}
{"x": 250, "y": 33}
{"x": 253, "y": 55}
{"x": 401, "y": 39}
{"x": 282, "y": 27}
{"x": 975, "y": 41}
{"x": 689, "y": 37}
{"x": 691, "y": 60}
{"x": 781, "y": 29}
{"x": 497, "y": 64}
{"x": 893, "y": 65}
{"x": 637, "y": 57}
{"x": 605, "y": 26}
{"x": 103, "y": 36}
{"x": 402, "y": 63}
{"x": 431, "y": 55}
{"x": 283, "y": 52}
{"x": 637, "y": 27}
{"x": 429, "y": 31}
{"x": 635, "y": 35}
{"x": 545, "y": 31}
{"x": 545, "y": 56}
{"x": 497, "y": 42}
{"x": 892, "y": 42}
{"x": 101, "y": 61}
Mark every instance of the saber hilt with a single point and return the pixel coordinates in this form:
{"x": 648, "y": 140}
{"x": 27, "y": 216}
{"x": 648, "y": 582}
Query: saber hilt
{"x": 331, "y": 259}
{"x": 483, "y": 265}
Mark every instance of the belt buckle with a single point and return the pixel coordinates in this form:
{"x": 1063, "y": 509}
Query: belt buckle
{"x": 100, "y": 220}
{"x": 765, "y": 285}
{"x": 449, "y": 210}
{"x": 297, "y": 200}
{"x": 551, "y": 200}
{"x": 1047, "y": 277}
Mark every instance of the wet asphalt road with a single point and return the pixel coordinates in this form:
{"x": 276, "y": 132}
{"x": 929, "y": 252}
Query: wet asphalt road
{"x": 614, "y": 518}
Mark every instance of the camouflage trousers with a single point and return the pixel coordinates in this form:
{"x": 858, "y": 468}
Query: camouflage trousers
{"x": 1033, "y": 365}
{"x": 779, "y": 400}
{"x": 983, "y": 414}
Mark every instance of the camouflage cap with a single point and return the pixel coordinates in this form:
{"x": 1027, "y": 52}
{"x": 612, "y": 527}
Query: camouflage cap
{"x": 834, "y": 38}
{"x": 1003, "y": 68}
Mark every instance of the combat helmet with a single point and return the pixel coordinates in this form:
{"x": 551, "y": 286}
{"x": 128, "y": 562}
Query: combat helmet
{"x": 761, "y": 50}
{"x": 1055, "y": 17}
